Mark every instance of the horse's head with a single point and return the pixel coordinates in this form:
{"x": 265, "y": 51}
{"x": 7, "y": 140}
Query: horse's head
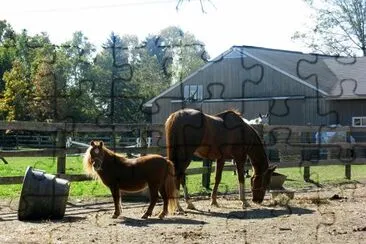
{"x": 97, "y": 154}
{"x": 260, "y": 184}
{"x": 264, "y": 118}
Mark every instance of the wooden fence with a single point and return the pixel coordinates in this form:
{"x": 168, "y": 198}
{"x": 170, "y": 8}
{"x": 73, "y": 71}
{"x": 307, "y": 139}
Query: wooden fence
{"x": 287, "y": 146}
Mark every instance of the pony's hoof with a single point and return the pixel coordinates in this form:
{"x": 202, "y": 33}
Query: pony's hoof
{"x": 180, "y": 212}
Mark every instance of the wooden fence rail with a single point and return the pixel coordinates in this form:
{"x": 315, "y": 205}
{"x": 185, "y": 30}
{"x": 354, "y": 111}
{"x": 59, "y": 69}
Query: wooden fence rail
{"x": 287, "y": 139}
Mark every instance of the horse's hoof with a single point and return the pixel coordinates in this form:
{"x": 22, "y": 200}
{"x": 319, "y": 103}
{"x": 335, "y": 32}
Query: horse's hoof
{"x": 162, "y": 215}
{"x": 215, "y": 204}
{"x": 115, "y": 216}
{"x": 191, "y": 206}
{"x": 145, "y": 216}
{"x": 245, "y": 205}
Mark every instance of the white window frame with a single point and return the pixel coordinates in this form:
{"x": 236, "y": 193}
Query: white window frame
{"x": 193, "y": 93}
{"x": 359, "y": 121}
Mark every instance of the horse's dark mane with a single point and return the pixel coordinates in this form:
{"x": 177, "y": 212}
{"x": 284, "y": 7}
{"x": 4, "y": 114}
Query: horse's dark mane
{"x": 254, "y": 145}
{"x": 256, "y": 150}
{"x": 235, "y": 111}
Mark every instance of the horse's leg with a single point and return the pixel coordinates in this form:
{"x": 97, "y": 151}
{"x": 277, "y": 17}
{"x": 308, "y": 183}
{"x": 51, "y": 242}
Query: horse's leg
{"x": 240, "y": 168}
{"x": 177, "y": 185}
{"x": 233, "y": 162}
{"x": 186, "y": 195}
{"x": 116, "y": 199}
{"x": 153, "y": 199}
{"x": 219, "y": 167}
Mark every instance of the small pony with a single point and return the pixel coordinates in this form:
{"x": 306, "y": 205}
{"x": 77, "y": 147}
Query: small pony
{"x": 132, "y": 175}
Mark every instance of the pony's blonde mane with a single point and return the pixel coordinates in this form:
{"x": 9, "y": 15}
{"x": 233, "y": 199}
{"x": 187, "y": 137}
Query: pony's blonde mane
{"x": 88, "y": 164}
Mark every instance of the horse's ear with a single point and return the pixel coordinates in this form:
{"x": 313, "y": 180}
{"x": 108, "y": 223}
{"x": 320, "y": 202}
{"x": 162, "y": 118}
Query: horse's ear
{"x": 101, "y": 143}
{"x": 92, "y": 143}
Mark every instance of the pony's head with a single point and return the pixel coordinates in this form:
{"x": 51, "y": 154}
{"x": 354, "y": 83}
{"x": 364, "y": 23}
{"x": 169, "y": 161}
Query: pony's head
{"x": 260, "y": 183}
{"x": 94, "y": 157}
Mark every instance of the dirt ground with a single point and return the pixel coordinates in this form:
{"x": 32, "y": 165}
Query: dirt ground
{"x": 331, "y": 215}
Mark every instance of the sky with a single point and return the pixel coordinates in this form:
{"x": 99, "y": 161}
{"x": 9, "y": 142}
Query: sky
{"x": 262, "y": 23}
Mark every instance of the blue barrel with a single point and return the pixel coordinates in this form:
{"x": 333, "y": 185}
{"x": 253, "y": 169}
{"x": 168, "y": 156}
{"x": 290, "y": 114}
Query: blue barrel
{"x": 43, "y": 196}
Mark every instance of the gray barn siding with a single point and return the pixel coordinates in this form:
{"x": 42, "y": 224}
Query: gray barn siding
{"x": 230, "y": 79}
{"x": 346, "y": 109}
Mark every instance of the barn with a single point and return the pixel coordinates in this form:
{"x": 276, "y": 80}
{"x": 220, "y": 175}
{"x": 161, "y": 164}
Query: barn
{"x": 294, "y": 88}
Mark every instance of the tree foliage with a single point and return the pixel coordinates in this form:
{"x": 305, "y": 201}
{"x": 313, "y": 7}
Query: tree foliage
{"x": 340, "y": 27}
{"x": 73, "y": 81}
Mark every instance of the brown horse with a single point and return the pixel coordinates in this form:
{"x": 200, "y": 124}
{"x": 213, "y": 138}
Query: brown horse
{"x": 131, "y": 175}
{"x": 223, "y": 136}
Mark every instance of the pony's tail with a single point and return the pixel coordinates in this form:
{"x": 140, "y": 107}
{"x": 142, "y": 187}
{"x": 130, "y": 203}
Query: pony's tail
{"x": 170, "y": 188}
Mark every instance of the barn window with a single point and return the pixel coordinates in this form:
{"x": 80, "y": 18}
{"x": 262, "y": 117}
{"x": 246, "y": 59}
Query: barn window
{"x": 359, "y": 121}
{"x": 193, "y": 93}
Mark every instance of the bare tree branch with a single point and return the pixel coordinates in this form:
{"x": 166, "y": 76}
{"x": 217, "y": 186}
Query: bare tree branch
{"x": 339, "y": 27}
{"x": 180, "y": 2}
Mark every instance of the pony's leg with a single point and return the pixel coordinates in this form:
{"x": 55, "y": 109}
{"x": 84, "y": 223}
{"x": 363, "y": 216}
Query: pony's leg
{"x": 116, "y": 199}
{"x": 219, "y": 167}
{"x": 186, "y": 195}
{"x": 153, "y": 200}
{"x": 165, "y": 198}
{"x": 240, "y": 168}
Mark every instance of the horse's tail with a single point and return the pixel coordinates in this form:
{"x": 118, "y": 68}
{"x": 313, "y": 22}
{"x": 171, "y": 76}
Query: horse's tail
{"x": 170, "y": 188}
{"x": 170, "y": 137}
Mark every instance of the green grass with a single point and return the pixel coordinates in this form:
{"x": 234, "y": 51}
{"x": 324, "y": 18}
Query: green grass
{"x": 325, "y": 175}
{"x": 229, "y": 182}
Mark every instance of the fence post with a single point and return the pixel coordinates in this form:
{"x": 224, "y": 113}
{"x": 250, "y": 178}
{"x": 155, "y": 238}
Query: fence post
{"x": 347, "y": 171}
{"x": 143, "y": 139}
{"x": 206, "y": 176}
{"x": 306, "y": 173}
{"x": 61, "y": 145}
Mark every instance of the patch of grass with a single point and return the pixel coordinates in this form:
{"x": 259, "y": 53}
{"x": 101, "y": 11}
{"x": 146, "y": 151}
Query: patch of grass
{"x": 229, "y": 183}
{"x": 332, "y": 174}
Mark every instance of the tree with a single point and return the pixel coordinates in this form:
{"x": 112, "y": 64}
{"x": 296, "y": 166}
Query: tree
{"x": 17, "y": 92}
{"x": 113, "y": 90}
{"x": 15, "y": 99}
{"x": 183, "y": 53}
{"x": 74, "y": 79}
{"x": 7, "y": 50}
{"x": 340, "y": 27}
